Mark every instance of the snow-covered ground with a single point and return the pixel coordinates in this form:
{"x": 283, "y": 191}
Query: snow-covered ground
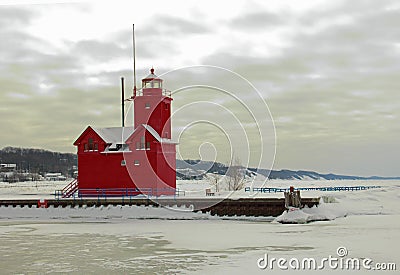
{"x": 191, "y": 188}
{"x": 147, "y": 240}
{"x": 30, "y": 190}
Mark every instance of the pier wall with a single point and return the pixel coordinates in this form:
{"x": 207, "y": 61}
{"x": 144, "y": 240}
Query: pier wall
{"x": 227, "y": 207}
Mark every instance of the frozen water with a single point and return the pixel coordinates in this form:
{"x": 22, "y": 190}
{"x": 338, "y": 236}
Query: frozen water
{"x": 147, "y": 240}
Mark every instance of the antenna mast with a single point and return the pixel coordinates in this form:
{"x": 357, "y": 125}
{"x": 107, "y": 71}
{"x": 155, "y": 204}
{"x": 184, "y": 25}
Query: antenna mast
{"x": 123, "y": 102}
{"x": 134, "y": 60}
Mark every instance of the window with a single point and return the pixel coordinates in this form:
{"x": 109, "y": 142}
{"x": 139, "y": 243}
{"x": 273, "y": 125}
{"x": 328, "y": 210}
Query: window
{"x": 91, "y": 144}
{"x": 155, "y": 83}
{"x": 142, "y": 142}
{"x": 137, "y": 162}
{"x": 142, "y": 145}
{"x": 123, "y": 163}
{"x": 114, "y": 147}
{"x": 147, "y": 105}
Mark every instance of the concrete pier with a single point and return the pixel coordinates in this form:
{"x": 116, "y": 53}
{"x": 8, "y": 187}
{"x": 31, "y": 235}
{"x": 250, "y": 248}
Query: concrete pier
{"x": 227, "y": 207}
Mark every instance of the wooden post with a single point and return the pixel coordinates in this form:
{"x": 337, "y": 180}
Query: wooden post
{"x": 292, "y": 198}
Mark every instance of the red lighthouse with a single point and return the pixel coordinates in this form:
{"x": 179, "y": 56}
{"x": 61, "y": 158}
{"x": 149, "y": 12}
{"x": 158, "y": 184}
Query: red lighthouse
{"x": 130, "y": 160}
{"x": 154, "y": 153}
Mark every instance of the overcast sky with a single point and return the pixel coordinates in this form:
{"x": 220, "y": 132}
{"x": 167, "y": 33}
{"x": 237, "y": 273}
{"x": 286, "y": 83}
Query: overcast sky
{"x": 328, "y": 70}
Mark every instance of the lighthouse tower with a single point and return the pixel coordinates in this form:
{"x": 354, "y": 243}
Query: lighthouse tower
{"x": 153, "y": 152}
{"x": 152, "y": 106}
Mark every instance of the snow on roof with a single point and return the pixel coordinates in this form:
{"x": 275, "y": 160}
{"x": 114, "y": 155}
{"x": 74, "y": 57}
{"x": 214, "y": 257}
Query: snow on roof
{"x": 8, "y": 165}
{"x": 151, "y": 75}
{"x": 156, "y": 135}
{"x": 119, "y": 135}
{"x": 113, "y": 135}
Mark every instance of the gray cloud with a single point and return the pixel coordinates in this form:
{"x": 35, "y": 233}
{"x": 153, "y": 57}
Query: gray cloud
{"x": 43, "y": 95}
{"x": 257, "y": 21}
{"x": 100, "y": 51}
{"x": 333, "y": 88}
{"x": 171, "y": 25}
{"x": 11, "y": 17}
{"x": 146, "y": 49}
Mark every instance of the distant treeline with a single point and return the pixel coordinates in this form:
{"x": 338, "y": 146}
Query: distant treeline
{"x": 39, "y": 161}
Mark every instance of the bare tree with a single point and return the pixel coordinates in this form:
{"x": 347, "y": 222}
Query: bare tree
{"x": 214, "y": 179}
{"x": 235, "y": 175}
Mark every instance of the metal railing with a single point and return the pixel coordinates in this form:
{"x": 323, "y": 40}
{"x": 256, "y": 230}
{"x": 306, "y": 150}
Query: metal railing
{"x": 69, "y": 190}
{"x": 164, "y": 92}
{"x": 167, "y": 93}
{"x": 331, "y": 188}
{"x": 121, "y": 193}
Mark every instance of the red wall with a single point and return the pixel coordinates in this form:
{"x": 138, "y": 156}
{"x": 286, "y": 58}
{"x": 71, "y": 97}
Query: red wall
{"x": 154, "y": 169}
{"x": 166, "y": 164}
{"x": 159, "y": 113}
{"x": 100, "y": 170}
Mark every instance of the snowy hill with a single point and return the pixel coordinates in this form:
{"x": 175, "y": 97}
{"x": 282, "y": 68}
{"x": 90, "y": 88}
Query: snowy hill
{"x": 42, "y": 161}
{"x": 310, "y": 175}
{"x": 195, "y": 169}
